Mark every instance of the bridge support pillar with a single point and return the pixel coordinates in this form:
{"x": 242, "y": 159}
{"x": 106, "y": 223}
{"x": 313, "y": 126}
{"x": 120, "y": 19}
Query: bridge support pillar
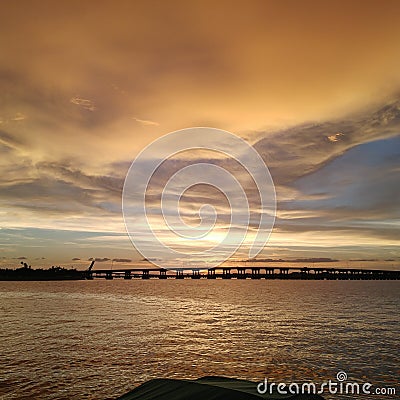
{"x": 145, "y": 274}
{"x": 195, "y": 274}
{"x": 283, "y": 272}
{"x": 109, "y": 275}
{"x": 241, "y": 273}
{"x": 226, "y": 273}
{"x": 255, "y": 273}
{"x": 269, "y": 273}
{"x": 211, "y": 274}
{"x": 305, "y": 273}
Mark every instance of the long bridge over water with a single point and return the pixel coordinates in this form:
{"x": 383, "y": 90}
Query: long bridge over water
{"x": 243, "y": 272}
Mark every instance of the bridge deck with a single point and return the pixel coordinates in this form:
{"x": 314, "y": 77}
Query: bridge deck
{"x": 304, "y": 273}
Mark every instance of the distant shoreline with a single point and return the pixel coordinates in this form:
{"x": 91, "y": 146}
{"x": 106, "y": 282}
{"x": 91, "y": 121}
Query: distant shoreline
{"x": 26, "y": 273}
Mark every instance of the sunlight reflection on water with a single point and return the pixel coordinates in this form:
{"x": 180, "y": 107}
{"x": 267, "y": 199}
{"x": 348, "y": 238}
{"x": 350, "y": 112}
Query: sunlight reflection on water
{"x": 98, "y": 339}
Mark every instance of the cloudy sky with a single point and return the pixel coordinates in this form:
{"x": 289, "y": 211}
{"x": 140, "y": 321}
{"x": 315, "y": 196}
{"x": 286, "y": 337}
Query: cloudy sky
{"x": 84, "y": 87}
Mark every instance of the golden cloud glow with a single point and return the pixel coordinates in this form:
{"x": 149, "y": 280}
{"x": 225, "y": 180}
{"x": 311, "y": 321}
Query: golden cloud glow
{"x": 335, "y": 137}
{"x": 83, "y": 89}
{"x": 84, "y": 103}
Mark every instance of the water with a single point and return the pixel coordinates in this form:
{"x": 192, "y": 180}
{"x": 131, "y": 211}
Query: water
{"x": 98, "y": 339}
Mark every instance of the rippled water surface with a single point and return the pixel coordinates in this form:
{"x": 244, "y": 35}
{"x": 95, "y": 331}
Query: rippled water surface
{"x": 98, "y": 339}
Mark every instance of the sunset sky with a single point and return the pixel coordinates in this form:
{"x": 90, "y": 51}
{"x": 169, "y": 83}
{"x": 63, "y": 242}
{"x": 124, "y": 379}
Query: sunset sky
{"x": 85, "y": 86}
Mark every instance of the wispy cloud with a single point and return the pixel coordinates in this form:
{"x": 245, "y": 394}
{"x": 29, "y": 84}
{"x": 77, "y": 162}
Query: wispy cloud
{"x": 84, "y": 103}
{"x": 328, "y": 190}
{"x": 145, "y": 122}
{"x": 335, "y": 137}
{"x": 122, "y": 260}
{"x": 18, "y": 117}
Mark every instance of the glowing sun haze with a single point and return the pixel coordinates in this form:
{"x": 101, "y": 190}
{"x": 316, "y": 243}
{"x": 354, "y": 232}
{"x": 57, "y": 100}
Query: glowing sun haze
{"x": 314, "y": 85}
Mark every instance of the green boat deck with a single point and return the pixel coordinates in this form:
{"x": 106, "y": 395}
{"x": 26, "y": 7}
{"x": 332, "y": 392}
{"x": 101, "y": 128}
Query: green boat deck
{"x": 207, "y": 388}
